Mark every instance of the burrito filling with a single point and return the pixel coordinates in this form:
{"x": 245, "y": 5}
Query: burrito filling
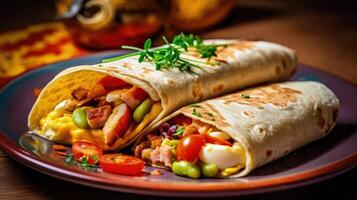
{"x": 111, "y": 110}
{"x": 192, "y": 148}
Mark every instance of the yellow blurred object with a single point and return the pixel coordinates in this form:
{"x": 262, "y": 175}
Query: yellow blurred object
{"x": 33, "y": 46}
{"x": 197, "y": 15}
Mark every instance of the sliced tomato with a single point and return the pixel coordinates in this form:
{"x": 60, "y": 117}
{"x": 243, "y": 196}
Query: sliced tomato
{"x": 117, "y": 124}
{"x": 121, "y": 164}
{"x": 216, "y": 140}
{"x": 134, "y": 96}
{"x": 90, "y": 151}
{"x": 181, "y": 120}
{"x": 109, "y": 81}
{"x": 189, "y": 147}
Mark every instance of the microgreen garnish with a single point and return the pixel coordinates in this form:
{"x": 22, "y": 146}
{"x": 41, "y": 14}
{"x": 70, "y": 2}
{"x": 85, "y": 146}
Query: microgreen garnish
{"x": 179, "y": 131}
{"x": 196, "y": 105}
{"x": 209, "y": 114}
{"x": 246, "y": 96}
{"x": 69, "y": 159}
{"x": 195, "y": 113}
{"x": 83, "y": 162}
{"x": 169, "y": 56}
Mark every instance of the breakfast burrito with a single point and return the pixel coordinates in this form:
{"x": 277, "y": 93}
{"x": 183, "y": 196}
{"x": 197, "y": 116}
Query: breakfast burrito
{"x": 112, "y": 103}
{"x": 229, "y": 136}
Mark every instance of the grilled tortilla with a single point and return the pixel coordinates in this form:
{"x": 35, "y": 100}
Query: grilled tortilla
{"x": 264, "y": 124}
{"x": 237, "y": 65}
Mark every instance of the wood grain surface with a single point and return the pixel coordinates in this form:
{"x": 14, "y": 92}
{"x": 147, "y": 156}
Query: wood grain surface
{"x": 325, "y": 39}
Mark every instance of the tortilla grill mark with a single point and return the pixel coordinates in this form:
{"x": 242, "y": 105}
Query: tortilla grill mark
{"x": 197, "y": 90}
{"x": 278, "y": 70}
{"x": 128, "y": 65}
{"x": 274, "y": 94}
{"x": 218, "y": 88}
{"x": 208, "y": 108}
{"x": 147, "y": 70}
{"x": 228, "y": 52}
{"x": 269, "y": 153}
{"x": 249, "y": 113}
{"x": 320, "y": 120}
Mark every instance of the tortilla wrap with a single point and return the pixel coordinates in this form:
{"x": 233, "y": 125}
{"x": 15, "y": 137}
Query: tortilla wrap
{"x": 238, "y": 65}
{"x": 275, "y": 120}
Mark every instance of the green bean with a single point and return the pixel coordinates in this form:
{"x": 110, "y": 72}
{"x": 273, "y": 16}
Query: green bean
{"x": 142, "y": 110}
{"x": 79, "y": 117}
{"x": 209, "y": 170}
{"x": 184, "y": 168}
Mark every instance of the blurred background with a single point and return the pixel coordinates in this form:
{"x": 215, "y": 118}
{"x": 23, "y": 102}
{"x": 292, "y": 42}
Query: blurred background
{"x": 39, "y": 32}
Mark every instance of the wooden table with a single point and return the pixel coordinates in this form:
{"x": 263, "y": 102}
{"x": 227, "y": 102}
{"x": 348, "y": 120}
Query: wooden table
{"x": 326, "y": 40}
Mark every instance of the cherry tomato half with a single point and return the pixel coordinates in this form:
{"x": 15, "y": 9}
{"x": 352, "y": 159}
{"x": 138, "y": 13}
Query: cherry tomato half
{"x": 216, "y": 140}
{"x": 109, "y": 81}
{"x": 189, "y": 147}
{"x": 88, "y": 150}
{"x": 121, "y": 164}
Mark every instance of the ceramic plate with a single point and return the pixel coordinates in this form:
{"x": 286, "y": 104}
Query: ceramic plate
{"x": 315, "y": 162}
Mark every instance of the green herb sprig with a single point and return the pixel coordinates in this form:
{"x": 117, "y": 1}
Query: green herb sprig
{"x": 179, "y": 131}
{"x": 169, "y": 56}
{"x": 246, "y": 96}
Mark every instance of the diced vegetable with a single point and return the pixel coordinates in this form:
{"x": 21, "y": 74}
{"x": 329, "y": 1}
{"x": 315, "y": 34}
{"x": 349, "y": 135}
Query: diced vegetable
{"x": 181, "y": 120}
{"x": 209, "y": 170}
{"x": 117, "y": 123}
{"x": 220, "y": 134}
{"x": 115, "y": 96}
{"x": 216, "y": 140}
{"x": 163, "y": 129}
{"x": 121, "y": 164}
{"x": 189, "y": 130}
{"x": 134, "y": 96}
{"x": 79, "y": 93}
{"x": 109, "y": 81}
{"x": 79, "y": 117}
{"x": 97, "y": 91}
{"x": 86, "y": 150}
{"x": 142, "y": 110}
{"x": 189, "y": 147}
{"x": 184, "y": 168}
{"x": 96, "y": 117}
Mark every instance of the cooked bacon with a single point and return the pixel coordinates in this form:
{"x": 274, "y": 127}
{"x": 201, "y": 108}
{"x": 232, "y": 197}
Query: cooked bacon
{"x": 155, "y": 155}
{"x": 162, "y": 155}
{"x": 202, "y": 128}
{"x": 133, "y": 97}
{"x": 189, "y": 130}
{"x": 166, "y": 155}
{"x": 97, "y": 91}
{"x": 96, "y": 117}
{"x": 115, "y": 96}
{"x": 70, "y": 104}
{"x": 100, "y": 101}
{"x": 80, "y": 93}
{"x": 146, "y": 154}
{"x": 140, "y": 147}
{"x": 155, "y": 140}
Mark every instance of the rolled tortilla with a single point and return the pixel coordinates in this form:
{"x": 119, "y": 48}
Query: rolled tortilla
{"x": 239, "y": 64}
{"x": 268, "y": 122}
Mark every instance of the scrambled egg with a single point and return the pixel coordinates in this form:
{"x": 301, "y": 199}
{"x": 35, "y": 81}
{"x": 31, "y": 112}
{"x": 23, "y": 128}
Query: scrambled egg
{"x": 58, "y": 126}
